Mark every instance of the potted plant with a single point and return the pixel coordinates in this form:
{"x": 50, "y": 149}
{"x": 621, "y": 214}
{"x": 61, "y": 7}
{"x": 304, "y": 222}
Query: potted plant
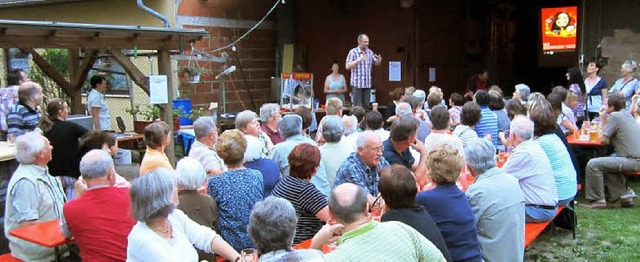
{"x": 191, "y": 73}
{"x": 150, "y": 114}
{"x": 145, "y": 115}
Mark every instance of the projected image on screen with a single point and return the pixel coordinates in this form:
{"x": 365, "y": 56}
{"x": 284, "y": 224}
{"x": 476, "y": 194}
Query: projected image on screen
{"x": 559, "y": 28}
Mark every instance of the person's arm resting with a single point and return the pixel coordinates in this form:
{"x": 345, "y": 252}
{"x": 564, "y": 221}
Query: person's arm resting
{"x": 25, "y": 203}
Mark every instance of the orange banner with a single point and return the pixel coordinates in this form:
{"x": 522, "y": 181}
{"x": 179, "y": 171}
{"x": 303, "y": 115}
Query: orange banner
{"x": 559, "y": 28}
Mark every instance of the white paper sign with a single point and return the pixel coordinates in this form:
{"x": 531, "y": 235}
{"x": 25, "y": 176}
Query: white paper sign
{"x": 432, "y": 74}
{"x": 158, "y": 89}
{"x": 395, "y": 71}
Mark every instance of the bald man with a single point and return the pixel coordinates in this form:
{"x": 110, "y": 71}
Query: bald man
{"x": 25, "y": 116}
{"x": 363, "y": 167}
{"x": 368, "y": 239}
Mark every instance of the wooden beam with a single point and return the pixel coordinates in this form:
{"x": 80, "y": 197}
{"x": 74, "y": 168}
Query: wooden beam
{"x": 164, "y": 68}
{"x": 60, "y": 41}
{"x": 83, "y": 69}
{"x": 50, "y": 71}
{"x": 131, "y": 69}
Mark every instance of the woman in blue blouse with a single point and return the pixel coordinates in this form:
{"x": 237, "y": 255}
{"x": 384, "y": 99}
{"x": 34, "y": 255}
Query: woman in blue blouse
{"x": 448, "y": 206}
{"x": 235, "y": 191}
{"x": 596, "y": 89}
{"x": 626, "y": 84}
{"x": 335, "y": 85}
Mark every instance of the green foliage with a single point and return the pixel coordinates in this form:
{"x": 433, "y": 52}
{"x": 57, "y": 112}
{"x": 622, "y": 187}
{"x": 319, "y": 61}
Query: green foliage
{"x": 191, "y": 70}
{"x": 59, "y": 59}
{"x": 150, "y": 112}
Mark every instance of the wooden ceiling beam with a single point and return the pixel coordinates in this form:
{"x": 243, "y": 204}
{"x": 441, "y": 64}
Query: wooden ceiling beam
{"x": 49, "y": 70}
{"x": 83, "y": 69}
{"x": 131, "y": 69}
{"x": 84, "y": 42}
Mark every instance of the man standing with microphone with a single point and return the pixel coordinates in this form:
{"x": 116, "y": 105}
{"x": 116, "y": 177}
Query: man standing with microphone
{"x": 360, "y": 60}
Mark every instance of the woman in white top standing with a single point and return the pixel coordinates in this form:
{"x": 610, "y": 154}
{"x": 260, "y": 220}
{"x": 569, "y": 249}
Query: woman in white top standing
{"x": 596, "y": 89}
{"x": 164, "y": 233}
{"x": 96, "y": 105}
{"x": 626, "y": 84}
{"x": 335, "y": 85}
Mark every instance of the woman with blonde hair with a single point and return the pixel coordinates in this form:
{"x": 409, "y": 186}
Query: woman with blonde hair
{"x": 235, "y": 191}
{"x": 457, "y": 225}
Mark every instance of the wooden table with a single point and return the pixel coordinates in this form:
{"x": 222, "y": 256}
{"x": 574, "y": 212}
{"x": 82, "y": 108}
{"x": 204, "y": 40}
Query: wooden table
{"x": 46, "y": 234}
{"x": 8, "y": 165}
{"x": 575, "y": 141}
{"x": 307, "y": 244}
{"x": 129, "y": 140}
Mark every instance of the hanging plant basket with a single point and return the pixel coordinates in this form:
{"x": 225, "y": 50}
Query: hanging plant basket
{"x": 193, "y": 78}
{"x": 191, "y": 74}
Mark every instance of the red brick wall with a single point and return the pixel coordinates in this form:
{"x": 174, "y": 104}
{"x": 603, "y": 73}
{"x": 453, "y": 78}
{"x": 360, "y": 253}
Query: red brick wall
{"x": 256, "y": 52}
{"x": 327, "y": 29}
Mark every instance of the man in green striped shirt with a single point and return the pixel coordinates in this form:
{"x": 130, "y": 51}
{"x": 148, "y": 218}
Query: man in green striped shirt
{"x": 363, "y": 239}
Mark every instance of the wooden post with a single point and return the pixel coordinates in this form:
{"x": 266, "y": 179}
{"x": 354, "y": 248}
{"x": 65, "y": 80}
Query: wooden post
{"x": 164, "y": 68}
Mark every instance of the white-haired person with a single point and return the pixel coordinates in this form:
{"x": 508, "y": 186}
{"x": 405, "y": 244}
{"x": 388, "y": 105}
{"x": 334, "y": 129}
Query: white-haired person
{"x": 627, "y": 84}
{"x": 335, "y": 151}
{"x": 253, "y": 159}
{"x": 200, "y": 208}
{"x": 291, "y": 129}
{"x": 351, "y": 134}
{"x": 164, "y": 233}
{"x": 203, "y": 149}
{"x": 497, "y": 203}
{"x": 270, "y": 116}
{"x": 522, "y": 93}
{"x": 247, "y": 122}
{"x": 100, "y": 219}
{"x": 33, "y": 196}
{"x": 272, "y": 225}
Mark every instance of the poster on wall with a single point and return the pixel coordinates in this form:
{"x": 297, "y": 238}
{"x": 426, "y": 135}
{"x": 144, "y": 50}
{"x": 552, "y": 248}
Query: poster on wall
{"x": 297, "y": 90}
{"x": 559, "y": 28}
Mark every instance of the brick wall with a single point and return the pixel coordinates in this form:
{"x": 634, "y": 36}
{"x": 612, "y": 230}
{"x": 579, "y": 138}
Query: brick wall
{"x": 226, "y": 21}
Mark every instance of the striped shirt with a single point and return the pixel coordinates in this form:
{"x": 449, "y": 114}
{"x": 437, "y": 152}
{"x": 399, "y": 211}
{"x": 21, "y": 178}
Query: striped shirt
{"x": 361, "y": 72}
{"x": 387, "y": 241}
{"x": 307, "y": 201}
{"x": 488, "y": 124}
{"x": 22, "y": 119}
{"x": 563, "y": 171}
{"x": 465, "y": 133}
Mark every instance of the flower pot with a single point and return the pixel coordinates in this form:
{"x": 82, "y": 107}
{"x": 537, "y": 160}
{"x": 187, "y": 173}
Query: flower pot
{"x": 193, "y": 78}
{"x": 138, "y": 126}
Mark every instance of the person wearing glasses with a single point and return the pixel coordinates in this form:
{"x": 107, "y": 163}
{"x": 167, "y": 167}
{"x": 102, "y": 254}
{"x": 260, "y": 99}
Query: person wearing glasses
{"x": 363, "y": 167}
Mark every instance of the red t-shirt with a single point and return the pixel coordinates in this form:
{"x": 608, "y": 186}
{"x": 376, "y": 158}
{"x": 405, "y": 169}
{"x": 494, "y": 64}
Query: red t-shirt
{"x": 100, "y": 221}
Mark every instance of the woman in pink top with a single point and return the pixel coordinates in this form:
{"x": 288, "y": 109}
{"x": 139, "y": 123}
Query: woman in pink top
{"x": 99, "y": 140}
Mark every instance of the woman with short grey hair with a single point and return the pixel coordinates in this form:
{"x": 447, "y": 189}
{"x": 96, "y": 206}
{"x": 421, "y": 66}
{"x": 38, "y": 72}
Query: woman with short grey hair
{"x": 270, "y": 116}
{"x": 247, "y": 122}
{"x": 272, "y": 225}
{"x": 201, "y": 208}
{"x": 334, "y": 152}
{"x": 153, "y": 201}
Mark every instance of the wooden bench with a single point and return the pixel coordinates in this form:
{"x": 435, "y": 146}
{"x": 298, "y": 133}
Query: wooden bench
{"x": 8, "y": 258}
{"x": 533, "y": 230}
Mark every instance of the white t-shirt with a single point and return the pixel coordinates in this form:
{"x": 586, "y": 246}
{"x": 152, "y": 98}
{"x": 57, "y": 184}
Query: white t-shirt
{"x": 146, "y": 245}
{"x": 96, "y": 99}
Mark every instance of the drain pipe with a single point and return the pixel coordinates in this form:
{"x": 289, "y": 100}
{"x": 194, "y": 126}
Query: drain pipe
{"x": 154, "y": 13}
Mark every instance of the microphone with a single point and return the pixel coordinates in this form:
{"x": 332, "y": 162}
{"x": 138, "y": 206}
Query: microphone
{"x": 226, "y": 71}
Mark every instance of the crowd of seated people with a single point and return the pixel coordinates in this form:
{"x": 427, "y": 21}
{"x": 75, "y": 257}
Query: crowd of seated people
{"x": 269, "y": 184}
